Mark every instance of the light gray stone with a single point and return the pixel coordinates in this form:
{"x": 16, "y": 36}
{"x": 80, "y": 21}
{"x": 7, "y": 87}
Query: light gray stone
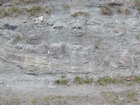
{"x": 60, "y": 42}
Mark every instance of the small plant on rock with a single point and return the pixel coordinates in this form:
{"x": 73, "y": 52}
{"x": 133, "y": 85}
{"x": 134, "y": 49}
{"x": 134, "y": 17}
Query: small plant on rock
{"x": 65, "y": 6}
{"x": 119, "y": 10}
{"x": 14, "y": 9}
{"x": 137, "y": 79}
{"x": 80, "y": 13}
{"x": 110, "y": 96}
{"x": 3, "y": 13}
{"x": 61, "y": 82}
{"x": 16, "y": 39}
{"x": 127, "y": 11}
{"x": 88, "y": 81}
{"x": 131, "y": 95}
{"x": 106, "y": 10}
{"x": 107, "y": 80}
{"x": 26, "y": 1}
{"x": 34, "y": 10}
{"x": 48, "y": 11}
{"x": 137, "y": 3}
{"x": 138, "y": 8}
{"x": 80, "y": 80}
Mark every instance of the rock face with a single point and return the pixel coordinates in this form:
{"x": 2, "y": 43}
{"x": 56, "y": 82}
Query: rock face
{"x": 78, "y": 38}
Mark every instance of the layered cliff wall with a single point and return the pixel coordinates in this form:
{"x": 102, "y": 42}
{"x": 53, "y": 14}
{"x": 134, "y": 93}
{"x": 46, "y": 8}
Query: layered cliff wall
{"x": 90, "y": 36}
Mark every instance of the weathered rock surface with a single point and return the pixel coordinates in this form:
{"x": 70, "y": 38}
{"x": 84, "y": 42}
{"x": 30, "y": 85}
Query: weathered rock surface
{"x": 64, "y": 43}
{"x": 44, "y": 41}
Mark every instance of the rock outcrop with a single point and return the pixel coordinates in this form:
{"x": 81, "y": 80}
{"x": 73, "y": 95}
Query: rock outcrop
{"x": 75, "y": 37}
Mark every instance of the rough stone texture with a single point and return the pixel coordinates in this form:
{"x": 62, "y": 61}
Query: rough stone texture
{"x": 63, "y": 43}
{"x": 74, "y": 40}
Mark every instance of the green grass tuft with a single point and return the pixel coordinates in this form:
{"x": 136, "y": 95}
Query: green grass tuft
{"x": 80, "y": 13}
{"x": 80, "y": 80}
{"x": 137, "y": 79}
{"x": 131, "y": 95}
{"x": 110, "y": 96}
{"x": 61, "y": 82}
{"x": 89, "y": 81}
{"x": 107, "y": 80}
{"x": 34, "y": 10}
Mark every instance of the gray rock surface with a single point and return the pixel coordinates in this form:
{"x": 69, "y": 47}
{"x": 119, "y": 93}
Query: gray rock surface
{"x": 68, "y": 38}
{"x": 63, "y": 43}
